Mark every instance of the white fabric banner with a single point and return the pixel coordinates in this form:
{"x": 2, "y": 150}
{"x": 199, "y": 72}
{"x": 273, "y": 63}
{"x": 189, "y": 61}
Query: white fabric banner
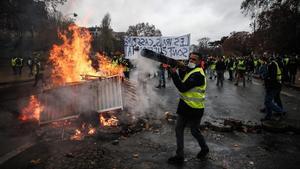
{"x": 173, "y": 47}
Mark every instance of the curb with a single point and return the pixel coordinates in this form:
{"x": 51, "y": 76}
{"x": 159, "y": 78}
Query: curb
{"x": 15, "y": 82}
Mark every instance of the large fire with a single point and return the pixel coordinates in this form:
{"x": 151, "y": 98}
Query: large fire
{"x": 32, "y": 110}
{"x": 71, "y": 60}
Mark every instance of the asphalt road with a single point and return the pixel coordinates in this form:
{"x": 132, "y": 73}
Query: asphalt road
{"x": 228, "y": 150}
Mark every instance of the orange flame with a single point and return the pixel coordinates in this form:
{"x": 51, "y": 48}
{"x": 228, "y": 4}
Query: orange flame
{"x": 77, "y": 136}
{"x": 109, "y": 122}
{"x": 32, "y": 110}
{"x": 92, "y": 131}
{"x": 71, "y": 59}
{"x": 107, "y": 67}
{"x": 81, "y": 132}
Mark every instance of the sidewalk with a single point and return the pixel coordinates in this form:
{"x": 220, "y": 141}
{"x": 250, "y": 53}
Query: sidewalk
{"x": 7, "y": 77}
{"x": 297, "y": 83}
{"x": 295, "y": 86}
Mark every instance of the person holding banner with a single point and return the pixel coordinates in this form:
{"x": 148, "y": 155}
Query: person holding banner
{"x": 191, "y": 84}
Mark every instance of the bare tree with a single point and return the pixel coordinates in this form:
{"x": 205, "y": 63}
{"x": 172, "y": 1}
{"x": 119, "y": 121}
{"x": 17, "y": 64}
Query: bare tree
{"x": 143, "y": 29}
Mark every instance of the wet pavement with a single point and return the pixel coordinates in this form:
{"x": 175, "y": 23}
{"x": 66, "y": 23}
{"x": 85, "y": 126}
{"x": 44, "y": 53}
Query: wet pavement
{"x": 150, "y": 148}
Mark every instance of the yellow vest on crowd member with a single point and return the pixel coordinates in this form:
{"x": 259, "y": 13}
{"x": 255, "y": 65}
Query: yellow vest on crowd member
{"x": 195, "y": 97}
{"x": 286, "y": 61}
{"x": 241, "y": 65}
{"x": 278, "y": 72}
{"x": 13, "y": 61}
{"x": 213, "y": 65}
{"x": 255, "y": 62}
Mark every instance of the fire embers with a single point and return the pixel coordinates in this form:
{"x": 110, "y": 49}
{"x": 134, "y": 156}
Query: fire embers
{"x": 32, "y": 111}
{"x": 108, "y": 120}
{"x": 85, "y": 130}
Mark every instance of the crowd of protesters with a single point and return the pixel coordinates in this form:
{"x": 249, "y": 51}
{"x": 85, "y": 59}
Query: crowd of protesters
{"x": 33, "y": 63}
{"x": 244, "y": 68}
{"x": 273, "y": 70}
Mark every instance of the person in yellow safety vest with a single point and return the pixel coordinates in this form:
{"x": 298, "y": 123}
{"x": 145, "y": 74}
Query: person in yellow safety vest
{"x": 256, "y": 65}
{"x": 126, "y": 69}
{"x": 230, "y": 68}
{"x": 273, "y": 87}
{"x": 286, "y": 74}
{"x": 37, "y": 71}
{"x": 191, "y": 83}
{"x": 241, "y": 69}
{"x": 13, "y": 65}
{"x": 212, "y": 68}
{"x": 286, "y": 60}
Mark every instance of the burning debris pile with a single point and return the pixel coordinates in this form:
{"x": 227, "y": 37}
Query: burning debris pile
{"x": 77, "y": 88}
{"x": 105, "y": 126}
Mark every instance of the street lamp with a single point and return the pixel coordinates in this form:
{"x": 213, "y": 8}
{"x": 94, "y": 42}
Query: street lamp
{"x": 66, "y": 17}
{"x": 69, "y": 14}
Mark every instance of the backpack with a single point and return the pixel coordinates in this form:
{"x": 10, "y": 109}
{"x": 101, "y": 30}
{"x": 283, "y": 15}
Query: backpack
{"x": 18, "y": 62}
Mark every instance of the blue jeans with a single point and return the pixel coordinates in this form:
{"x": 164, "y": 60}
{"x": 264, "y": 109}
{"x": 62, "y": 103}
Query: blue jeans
{"x": 269, "y": 102}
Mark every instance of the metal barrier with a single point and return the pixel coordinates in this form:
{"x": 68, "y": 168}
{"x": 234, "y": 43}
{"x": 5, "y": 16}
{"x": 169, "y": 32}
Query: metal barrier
{"x": 89, "y": 96}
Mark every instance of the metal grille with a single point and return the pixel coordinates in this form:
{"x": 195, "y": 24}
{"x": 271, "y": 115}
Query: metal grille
{"x": 73, "y": 99}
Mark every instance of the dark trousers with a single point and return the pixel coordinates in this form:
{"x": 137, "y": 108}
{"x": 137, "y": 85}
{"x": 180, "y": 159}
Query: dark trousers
{"x": 277, "y": 99}
{"x": 220, "y": 77}
{"x": 293, "y": 78}
{"x": 19, "y": 70}
{"x": 194, "y": 125}
{"x": 162, "y": 78}
{"x": 230, "y": 74}
{"x": 240, "y": 75}
{"x": 270, "y": 101}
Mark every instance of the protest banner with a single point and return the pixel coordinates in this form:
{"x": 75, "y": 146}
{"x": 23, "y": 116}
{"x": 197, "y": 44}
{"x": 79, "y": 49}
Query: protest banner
{"x": 174, "y": 47}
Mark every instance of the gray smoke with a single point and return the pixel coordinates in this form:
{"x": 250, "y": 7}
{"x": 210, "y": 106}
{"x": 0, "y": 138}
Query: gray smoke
{"x": 149, "y": 102}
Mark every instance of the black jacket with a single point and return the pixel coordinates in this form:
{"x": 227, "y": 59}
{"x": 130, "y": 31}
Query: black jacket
{"x": 270, "y": 80}
{"x": 220, "y": 66}
{"x": 195, "y": 79}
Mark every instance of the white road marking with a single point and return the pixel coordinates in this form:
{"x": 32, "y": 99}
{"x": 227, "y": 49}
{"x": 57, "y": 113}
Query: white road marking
{"x": 253, "y": 82}
{"x": 287, "y": 94}
{"x": 15, "y": 152}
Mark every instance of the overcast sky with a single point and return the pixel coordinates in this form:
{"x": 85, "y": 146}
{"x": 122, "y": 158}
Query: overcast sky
{"x": 200, "y": 18}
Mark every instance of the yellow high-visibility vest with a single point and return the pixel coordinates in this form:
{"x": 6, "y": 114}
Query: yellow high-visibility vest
{"x": 13, "y": 61}
{"x": 213, "y": 65}
{"x": 278, "y": 72}
{"x": 241, "y": 65}
{"x": 195, "y": 97}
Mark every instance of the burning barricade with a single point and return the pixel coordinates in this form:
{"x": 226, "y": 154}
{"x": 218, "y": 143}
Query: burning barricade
{"x": 76, "y": 87}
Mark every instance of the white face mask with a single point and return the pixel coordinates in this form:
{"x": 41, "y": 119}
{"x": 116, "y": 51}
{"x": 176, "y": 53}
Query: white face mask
{"x": 191, "y": 65}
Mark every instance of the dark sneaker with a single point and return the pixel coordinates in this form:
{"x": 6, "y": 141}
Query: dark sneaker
{"x": 176, "y": 160}
{"x": 202, "y": 153}
{"x": 283, "y": 115}
{"x": 266, "y": 119}
{"x": 158, "y": 86}
{"x": 163, "y": 86}
{"x": 263, "y": 110}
